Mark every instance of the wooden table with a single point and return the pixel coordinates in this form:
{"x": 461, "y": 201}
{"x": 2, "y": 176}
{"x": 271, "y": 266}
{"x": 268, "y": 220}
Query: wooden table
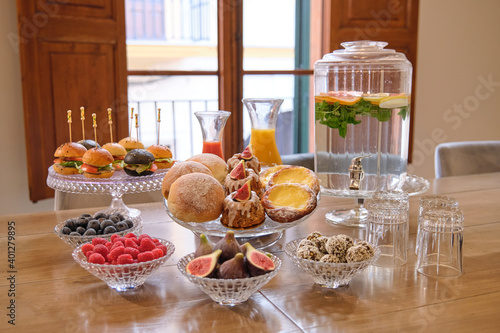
{"x": 53, "y": 293}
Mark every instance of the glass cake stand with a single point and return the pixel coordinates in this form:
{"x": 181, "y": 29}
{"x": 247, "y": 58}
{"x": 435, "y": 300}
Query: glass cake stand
{"x": 356, "y": 217}
{"x": 262, "y": 236}
{"x": 116, "y": 186}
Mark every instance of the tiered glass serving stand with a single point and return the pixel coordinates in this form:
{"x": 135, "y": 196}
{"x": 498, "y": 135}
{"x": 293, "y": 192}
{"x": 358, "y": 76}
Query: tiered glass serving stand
{"x": 116, "y": 186}
{"x": 267, "y": 234}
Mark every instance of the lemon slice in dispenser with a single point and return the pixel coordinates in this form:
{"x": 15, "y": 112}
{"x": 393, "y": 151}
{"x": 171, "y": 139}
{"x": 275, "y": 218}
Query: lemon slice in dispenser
{"x": 392, "y": 102}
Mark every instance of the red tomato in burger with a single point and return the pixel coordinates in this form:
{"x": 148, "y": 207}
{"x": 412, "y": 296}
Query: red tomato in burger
{"x": 153, "y": 167}
{"x": 89, "y": 168}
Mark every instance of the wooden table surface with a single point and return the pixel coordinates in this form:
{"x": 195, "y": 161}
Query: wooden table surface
{"x": 53, "y": 293}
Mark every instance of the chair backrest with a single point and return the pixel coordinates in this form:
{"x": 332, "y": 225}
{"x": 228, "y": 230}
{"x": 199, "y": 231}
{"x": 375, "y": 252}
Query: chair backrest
{"x": 466, "y": 158}
{"x": 302, "y": 159}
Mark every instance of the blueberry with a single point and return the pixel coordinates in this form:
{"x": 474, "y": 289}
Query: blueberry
{"x": 66, "y": 231}
{"x": 86, "y": 216}
{"x": 80, "y": 230}
{"x": 107, "y": 223}
{"x": 70, "y": 224}
{"x": 114, "y": 218}
{"x": 82, "y": 222}
{"x": 120, "y": 226}
{"x": 90, "y": 232}
{"x": 100, "y": 215}
{"x": 74, "y": 233}
{"x": 129, "y": 223}
{"x": 94, "y": 224}
{"x": 120, "y": 216}
{"x": 110, "y": 230}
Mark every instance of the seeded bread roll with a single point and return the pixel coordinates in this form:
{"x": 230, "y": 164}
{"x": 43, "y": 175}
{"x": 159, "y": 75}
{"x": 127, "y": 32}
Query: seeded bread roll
{"x": 181, "y": 169}
{"x": 196, "y": 197}
{"x": 216, "y": 164}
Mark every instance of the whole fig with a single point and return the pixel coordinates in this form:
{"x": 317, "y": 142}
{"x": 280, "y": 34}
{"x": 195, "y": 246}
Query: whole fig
{"x": 204, "y": 247}
{"x": 234, "y": 268}
{"x": 229, "y": 247}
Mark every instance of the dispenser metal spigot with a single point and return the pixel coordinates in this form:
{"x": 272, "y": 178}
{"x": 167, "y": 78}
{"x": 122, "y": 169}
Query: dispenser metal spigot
{"x": 356, "y": 172}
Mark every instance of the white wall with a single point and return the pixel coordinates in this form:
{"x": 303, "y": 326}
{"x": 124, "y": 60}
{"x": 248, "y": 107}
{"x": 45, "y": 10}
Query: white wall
{"x": 458, "y": 49}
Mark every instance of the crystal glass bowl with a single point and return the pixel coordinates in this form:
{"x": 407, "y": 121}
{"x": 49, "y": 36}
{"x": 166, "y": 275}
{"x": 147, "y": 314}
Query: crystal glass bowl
{"x": 328, "y": 275}
{"x": 76, "y": 241}
{"x": 123, "y": 277}
{"x": 227, "y": 291}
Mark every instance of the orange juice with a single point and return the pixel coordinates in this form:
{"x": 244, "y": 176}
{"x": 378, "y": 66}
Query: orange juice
{"x": 264, "y": 146}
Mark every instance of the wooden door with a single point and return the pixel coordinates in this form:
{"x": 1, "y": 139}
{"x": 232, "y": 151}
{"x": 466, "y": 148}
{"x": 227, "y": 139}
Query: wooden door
{"x": 392, "y": 21}
{"x": 72, "y": 54}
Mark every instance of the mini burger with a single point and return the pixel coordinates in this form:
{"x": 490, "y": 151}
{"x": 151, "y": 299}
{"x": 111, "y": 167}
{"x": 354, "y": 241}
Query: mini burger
{"x": 163, "y": 156}
{"x": 89, "y": 144}
{"x": 139, "y": 162}
{"x": 68, "y": 158}
{"x": 118, "y": 153}
{"x": 97, "y": 163}
{"x": 130, "y": 143}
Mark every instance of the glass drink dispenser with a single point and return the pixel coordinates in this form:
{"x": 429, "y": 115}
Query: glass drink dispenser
{"x": 362, "y": 116}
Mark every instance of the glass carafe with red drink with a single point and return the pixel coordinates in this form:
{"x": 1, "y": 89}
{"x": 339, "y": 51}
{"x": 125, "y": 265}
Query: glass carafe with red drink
{"x": 212, "y": 127}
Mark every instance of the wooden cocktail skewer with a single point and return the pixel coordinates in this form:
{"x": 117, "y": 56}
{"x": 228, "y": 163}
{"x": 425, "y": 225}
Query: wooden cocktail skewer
{"x": 110, "y": 122}
{"x": 158, "y": 129}
{"x": 94, "y": 125}
{"x": 131, "y": 121}
{"x": 69, "y": 124}
{"x": 82, "y": 117}
{"x": 137, "y": 129}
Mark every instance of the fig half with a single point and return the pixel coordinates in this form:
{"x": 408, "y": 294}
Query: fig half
{"x": 257, "y": 262}
{"x": 204, "y": 266}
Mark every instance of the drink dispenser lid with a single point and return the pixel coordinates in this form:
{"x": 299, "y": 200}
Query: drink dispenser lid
{"x": 364, "y": 51}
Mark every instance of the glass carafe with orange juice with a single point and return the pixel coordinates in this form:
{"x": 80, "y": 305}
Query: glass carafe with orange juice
{"x": 212, "y": 127}
{"x": 263, "y": 115}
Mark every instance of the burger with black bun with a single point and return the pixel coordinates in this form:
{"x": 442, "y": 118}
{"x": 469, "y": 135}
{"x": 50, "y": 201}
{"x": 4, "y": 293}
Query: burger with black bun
{"x": 163, "y": 156}
{"x": 139, "y": 162}
{"x": 118, "y": 153}
{"x": 68, "y": 158}
{"x": 97, "y": 163}
{"x": 130, "y": 143}
{"x": 89, "y": 144}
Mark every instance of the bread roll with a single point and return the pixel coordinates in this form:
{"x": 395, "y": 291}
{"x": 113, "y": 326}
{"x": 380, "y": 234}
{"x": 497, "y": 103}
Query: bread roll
{"x": 216, "y": 164}
{"x": 196, "y": 197}
{"x": 180, "y": 169}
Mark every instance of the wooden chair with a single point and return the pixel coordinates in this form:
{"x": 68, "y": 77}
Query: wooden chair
{"x": 466, "y": 158}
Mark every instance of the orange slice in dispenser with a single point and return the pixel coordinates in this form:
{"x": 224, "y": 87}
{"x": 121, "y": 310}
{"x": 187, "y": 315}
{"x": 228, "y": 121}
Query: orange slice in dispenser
{"x": 392, "y": 102}
{"x": 343, "y": 98}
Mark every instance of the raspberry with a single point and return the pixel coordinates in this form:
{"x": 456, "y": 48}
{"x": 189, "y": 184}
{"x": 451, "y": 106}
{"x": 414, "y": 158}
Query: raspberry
{"x": 125, "y": 259}
{"x": 87, "y": 247}
{"x": 141, "y": 237}
{"x": 98, "y": 240}
{"x": 132, "y": 251}
{"x": 88, "y": 254}
{"x": 131, "y": 243}
{"x": 163, "y": 248}
{"x": 114, "y": 237}
{"x": 117, "y": 244}
{"x": 155, "y": 240}
{"x": 97, "y": 258}
{"x": 146, "y": 245}
{"x": 115, "y": 253}
{"x": 102, "y": 249}
{"x": 158, "y": 253}
{"x": 109, "y": 245}
{"x": 130, "y": 235}
{"x": 145, "y": 256}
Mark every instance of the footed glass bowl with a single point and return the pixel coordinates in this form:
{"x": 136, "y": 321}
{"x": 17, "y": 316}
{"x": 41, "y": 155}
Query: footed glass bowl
{"x": 124, "y": 277}
{"x": 328, "y": 275}
{"x": 76, "y": 241}
{"x": 228, "y": 291}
